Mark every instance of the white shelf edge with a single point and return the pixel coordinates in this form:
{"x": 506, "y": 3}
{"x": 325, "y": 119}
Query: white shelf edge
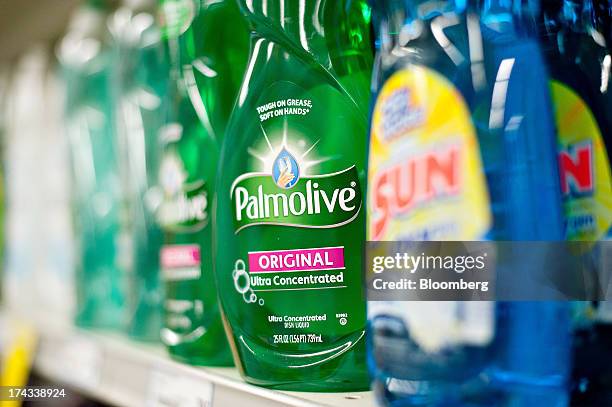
{"x": 121, "y": 372}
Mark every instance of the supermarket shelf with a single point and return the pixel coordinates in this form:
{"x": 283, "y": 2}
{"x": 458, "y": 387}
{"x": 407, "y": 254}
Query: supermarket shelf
{"x": 111, "y": 368}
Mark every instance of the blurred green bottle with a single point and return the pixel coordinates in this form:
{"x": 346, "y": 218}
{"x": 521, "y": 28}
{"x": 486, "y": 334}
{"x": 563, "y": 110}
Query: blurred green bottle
{"x": 208, "y": 45}
{"x": 86, "y": 60}
{"x": 140, "y": 85}
{"x": 290, "y": 194}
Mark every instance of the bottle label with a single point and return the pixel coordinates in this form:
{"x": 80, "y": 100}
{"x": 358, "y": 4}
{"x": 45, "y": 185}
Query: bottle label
{"x": 425, "y": 169}
{"x": 292, "y": 219}
{"x": 183, "y": 214}
{"x": 286, "y": 189}
{"x": 586, "y": 183}
{"x": 184, "y": 208}
{"x": 283, "y": 197}
{"x": 426, "y": 182}
{"x": 181, "y": 263}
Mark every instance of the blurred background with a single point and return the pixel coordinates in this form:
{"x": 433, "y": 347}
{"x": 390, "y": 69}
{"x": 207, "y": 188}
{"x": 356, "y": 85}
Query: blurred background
{"x": 35, "y": 160}
{"x": 39, "y": 197}
{"x": 27, "y": 23}
{"x": 35, "y": 223}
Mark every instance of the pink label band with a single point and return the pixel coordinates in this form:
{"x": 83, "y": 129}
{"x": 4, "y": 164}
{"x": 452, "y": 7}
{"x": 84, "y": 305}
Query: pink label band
{"x": 323, "y": 258}
{"x": 177, "y": 256}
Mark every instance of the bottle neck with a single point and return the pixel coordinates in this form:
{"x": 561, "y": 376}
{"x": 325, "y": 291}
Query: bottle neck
{"x": 103, "y": 5}
{"x": 509, "y": 9}
{"x": 302, "y": 20}
{"x": 327, "y": 30}
{"x": 519, "y": 16}
{"x": 141, "y": 6}
{"x": 602, "y": 10}
{"x": 574, "y": 15}
{"x": 498, "y": 6}
{"x": 394, "y": 18}
{"x": 425, "y": 9}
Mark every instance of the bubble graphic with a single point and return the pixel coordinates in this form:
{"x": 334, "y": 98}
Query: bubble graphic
{"x": 242, "y": 283}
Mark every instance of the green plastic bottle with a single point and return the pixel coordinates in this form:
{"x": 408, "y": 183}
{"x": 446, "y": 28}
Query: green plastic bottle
{"x": 86, "y": 59}
{"x": 141, "y": 84}
{"x": 208, "y": 46}
{"x": 289, "y": 201}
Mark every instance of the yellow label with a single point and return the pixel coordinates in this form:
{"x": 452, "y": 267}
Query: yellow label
{"x": 17, "y": 357}
{"x": 426, "y": 180}
{"x": 585, "y": 170}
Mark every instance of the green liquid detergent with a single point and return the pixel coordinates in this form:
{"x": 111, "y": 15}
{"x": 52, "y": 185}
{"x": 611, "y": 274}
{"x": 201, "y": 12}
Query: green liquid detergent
{"x": 141, "y": 87}
{"x": 289, "y": 200}
{"x": 86, "y": 59}
{"x": 208, "y": 46}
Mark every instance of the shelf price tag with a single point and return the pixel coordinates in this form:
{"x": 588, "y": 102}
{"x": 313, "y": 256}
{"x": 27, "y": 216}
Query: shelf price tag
{"x": 173, "y": 389}
{"x": 76, "y": 361}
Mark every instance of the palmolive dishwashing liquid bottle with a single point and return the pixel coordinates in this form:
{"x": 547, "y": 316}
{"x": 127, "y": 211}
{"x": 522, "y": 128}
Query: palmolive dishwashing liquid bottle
{"x": 289, "y": 200}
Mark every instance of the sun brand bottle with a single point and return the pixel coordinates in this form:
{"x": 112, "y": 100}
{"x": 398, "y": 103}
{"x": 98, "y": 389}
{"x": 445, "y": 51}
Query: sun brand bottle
{"x": 208, "y": 46}
{"x": 579, "y": 62}
{"x": 141, "y": 87}
{"x": 578, "y": 55}
{"x": 289, "y": 200}
{"x": 463, "y": 148}
{"x": 603, "y": 25}
{"x": 87, "y": 61}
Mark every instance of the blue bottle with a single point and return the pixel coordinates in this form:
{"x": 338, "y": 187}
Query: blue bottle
{"x": 470, "y": 75}
{"x": 576, "y": 38}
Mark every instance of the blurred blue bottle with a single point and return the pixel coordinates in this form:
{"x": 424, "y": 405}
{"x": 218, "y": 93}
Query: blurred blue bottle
{"x": 576, "y": 38}
{"x": 533, "y": 361}
{"x": 473, "y": 73}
